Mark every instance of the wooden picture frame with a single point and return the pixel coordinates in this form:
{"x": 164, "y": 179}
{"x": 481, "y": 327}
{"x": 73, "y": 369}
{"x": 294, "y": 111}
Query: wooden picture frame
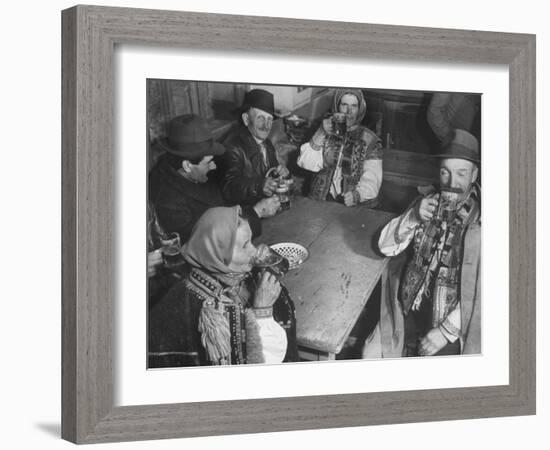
{"x": 90, "y": 34}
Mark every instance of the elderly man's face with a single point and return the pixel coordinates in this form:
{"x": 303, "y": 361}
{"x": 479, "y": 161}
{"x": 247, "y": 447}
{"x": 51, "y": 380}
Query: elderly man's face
{"x": 349, "y": 105}
{"x": 244, "y": 251}
{"x": 457, "y": 173}
{"x": 258, "y": 122}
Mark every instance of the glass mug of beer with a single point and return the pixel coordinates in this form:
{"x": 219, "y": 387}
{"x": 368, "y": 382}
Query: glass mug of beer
{"x": 270, "y": 260}
{"x": 448, "y": 203}
{"x": 283, "y": 191}
{"x": 171, "y": 249}
{"x": 339, "y": 126}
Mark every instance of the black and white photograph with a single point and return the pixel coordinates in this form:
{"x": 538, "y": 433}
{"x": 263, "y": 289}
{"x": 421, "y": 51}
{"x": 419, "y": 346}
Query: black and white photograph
{"x": 309, "y": 223}
{"x": 257, "y": 225}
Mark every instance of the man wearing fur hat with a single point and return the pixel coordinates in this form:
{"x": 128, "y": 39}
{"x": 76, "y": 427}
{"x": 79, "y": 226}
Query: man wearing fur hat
{"x": 179, "y": 187}
{"x": 347, "y": 166}
{"x": 438, "y": 292}
{"x": 250, "y": 153}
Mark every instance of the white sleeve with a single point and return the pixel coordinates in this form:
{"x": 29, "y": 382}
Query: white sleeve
{"x": 451, "y": 325}
{"x": 397, "y": 234}
{"x": 371, "y": 179}
{"x": 274, "y": 340}
{"x": 309, "y": 158}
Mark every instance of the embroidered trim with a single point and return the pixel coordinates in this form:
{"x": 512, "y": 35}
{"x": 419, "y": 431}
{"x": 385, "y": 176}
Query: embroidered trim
{"x": 205, "y": 283}
{"x": 221, "y": 325}
{"x": 214, "y": 328}
{"x": 449, "y": 328}
{"x": 254, "y": 346}
{"x": 263, "y": 312}
{"x": 349, "y": 154}
{"x": 356, "y": 197}
{"x": 434, "y": 271}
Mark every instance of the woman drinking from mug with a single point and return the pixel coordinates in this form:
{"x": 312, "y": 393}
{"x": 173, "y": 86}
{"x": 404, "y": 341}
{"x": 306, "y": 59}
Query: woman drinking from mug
{"x": 219, "y": 313}
{"x": 345, "y": 156}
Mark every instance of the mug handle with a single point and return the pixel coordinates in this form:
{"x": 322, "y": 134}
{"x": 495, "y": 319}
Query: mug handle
{"x": 270, "y": 171}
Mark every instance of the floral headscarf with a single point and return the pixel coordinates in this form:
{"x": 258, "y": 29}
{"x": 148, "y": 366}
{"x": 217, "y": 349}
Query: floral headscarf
{"x": 360, "y": 98}
{"x": 210, "y": 246}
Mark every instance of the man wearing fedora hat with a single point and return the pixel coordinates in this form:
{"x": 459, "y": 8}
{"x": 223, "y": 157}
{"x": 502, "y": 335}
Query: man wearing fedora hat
{"x": 432, "y": 306}
{"x": 250, "y": 153}
{"x": 179, "y": 187}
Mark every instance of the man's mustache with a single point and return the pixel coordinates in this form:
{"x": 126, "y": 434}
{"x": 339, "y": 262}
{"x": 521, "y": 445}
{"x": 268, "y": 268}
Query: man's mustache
{"x": 455, "y": 190}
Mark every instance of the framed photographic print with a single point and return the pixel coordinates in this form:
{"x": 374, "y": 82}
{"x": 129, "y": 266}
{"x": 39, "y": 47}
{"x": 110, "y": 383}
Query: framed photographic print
{"x": 192, "y": 194}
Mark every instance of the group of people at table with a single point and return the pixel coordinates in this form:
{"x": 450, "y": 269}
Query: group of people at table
{"x": 219, "y": 313}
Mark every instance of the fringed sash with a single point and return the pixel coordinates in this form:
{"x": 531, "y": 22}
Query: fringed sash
{"x": 222, "y": 323}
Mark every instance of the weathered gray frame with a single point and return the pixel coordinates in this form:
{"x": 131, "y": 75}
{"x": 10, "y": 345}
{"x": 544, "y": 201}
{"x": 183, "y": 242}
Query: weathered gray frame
{"x": 89, "y": 36}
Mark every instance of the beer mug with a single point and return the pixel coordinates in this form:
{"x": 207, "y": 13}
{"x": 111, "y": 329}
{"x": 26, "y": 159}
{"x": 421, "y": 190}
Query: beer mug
{"x": 448, "y": 203}
{"x": 171, "y": 249}
{"x": 339, "y": 125}
{"x": 270, "y": 260}
{"x": 283, "y": 191}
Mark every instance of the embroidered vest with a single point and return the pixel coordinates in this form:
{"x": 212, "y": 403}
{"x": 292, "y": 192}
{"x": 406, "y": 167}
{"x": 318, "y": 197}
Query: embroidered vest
{"x": 359, "y": 145}
{"x": 222, "y": 321}
{"x": 433, "y": 272}
{"x": 229, "y": 332}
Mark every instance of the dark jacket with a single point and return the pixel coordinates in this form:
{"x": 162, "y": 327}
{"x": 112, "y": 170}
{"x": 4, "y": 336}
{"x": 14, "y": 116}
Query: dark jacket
{"x": 240, "y": 168}
{"x": 179, "y": 202}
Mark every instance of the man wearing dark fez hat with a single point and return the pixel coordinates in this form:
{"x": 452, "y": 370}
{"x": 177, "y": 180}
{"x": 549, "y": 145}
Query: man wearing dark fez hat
{"x": 439, "y": 289}
{"x": 179, "y": 188}
{"x": 250, "y": 153}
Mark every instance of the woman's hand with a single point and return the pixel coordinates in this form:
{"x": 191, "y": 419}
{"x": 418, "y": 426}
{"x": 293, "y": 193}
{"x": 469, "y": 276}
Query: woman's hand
{"x": 267, "y": 292}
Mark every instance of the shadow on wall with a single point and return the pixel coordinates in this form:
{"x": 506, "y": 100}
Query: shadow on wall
{"x": 53, "y": 429}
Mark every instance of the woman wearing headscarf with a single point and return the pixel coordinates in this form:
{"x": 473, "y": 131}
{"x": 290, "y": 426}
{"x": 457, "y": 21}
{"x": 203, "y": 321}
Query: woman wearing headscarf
{"x": 347, "y": 168}
{"x": 219, "y": 314}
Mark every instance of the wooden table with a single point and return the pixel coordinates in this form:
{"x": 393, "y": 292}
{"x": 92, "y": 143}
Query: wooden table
{"x": 332, "y": 287}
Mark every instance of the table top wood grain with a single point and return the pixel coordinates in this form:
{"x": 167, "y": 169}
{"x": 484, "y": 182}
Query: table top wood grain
{"x": 333, "y": 285}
